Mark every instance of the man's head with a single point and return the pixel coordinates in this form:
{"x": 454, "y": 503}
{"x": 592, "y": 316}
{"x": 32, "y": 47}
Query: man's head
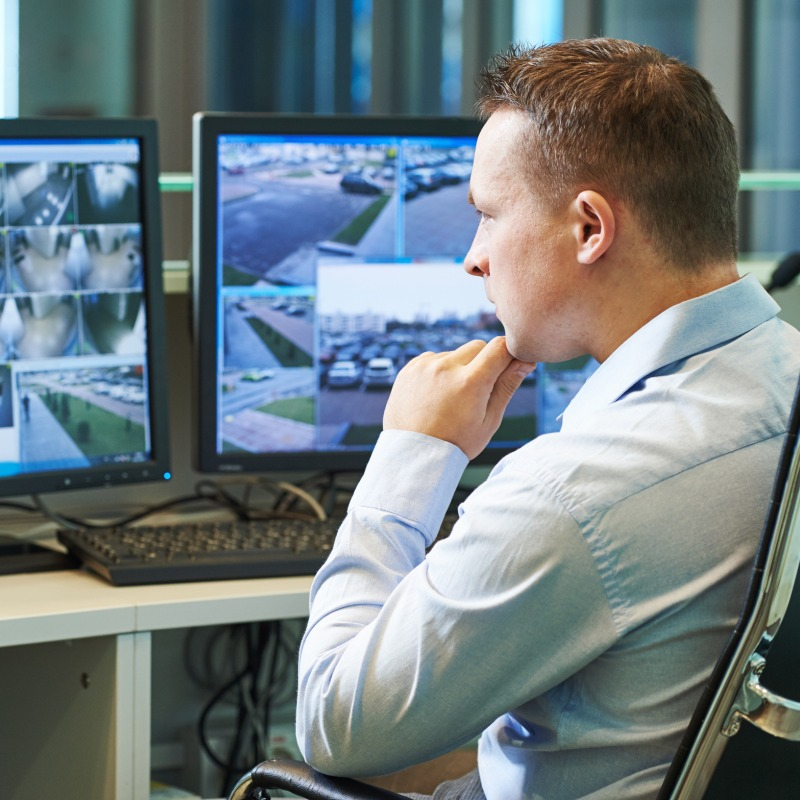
{"x": 637, "y": 126}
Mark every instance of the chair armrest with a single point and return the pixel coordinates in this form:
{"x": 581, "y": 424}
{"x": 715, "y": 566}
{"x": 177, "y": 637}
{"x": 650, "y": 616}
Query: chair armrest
{"x": 304, "y": 781}
{"x": 761, "y": 707}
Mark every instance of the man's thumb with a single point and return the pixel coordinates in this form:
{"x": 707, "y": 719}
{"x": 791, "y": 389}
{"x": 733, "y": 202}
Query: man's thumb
{"x": 509, "y": 381}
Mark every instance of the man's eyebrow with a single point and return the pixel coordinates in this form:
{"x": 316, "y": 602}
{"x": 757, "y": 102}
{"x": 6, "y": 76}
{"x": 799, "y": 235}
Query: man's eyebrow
{"x": 470, "y": 198}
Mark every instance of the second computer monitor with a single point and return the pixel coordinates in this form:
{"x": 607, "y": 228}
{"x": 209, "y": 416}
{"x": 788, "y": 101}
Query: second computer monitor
{"x": 83, "y": 396}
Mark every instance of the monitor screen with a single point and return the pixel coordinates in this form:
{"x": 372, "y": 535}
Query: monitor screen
{"x": 82, "y": 372}
{"x": 328, "y": 252}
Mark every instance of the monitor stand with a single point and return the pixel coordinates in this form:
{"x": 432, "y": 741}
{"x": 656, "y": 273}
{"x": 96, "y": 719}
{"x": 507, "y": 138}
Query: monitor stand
{"x": 18, "y": 555}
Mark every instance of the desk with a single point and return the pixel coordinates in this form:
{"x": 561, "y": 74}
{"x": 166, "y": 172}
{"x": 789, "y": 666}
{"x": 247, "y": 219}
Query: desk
{"x": 75, "y": 673}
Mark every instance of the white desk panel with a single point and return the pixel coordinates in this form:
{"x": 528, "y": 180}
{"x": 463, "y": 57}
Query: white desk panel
{"x": 185, "y": 605}
{"x": 56, "y": 606}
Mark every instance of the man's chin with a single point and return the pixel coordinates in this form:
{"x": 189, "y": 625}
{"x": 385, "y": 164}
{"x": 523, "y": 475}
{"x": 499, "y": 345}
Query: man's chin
{"x": 531, "y": 353}
{"x": 519, "y": 351}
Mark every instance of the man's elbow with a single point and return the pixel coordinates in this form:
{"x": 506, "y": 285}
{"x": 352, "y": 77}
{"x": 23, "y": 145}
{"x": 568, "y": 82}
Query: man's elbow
{"x": 334, "y": 738}
{"x": 327, "y": 747}
{"x": 323, "y": 727}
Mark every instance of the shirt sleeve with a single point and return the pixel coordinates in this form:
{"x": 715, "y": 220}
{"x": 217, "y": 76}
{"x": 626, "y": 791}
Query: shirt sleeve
{"x": 406, "y": 655}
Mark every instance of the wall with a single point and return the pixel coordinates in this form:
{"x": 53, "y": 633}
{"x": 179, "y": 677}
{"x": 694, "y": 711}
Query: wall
{"x": 76, "y": 58}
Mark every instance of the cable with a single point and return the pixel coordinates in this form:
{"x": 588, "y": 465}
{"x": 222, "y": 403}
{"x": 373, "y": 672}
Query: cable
{"x": 205, "y": 491}
{"x": 303, "y": 495}
{"x": 329, "y": 488}
{"x": 207, "y": 709}
{"x": 32, "y": 509}
{"x": 199, "y": 663}
{"x": 259, "y": 659}
{"x": 67, "y": 521}
{"x": 49, "y": 513}
{"x": 785, "y": 272}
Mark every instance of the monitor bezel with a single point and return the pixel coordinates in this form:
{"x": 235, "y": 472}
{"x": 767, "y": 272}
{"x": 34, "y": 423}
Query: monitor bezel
{"x": 157, "y": 467}
{"x": 207, "y": 128}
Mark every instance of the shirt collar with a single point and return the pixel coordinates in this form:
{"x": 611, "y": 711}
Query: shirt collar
{"x": 678, "y": 332}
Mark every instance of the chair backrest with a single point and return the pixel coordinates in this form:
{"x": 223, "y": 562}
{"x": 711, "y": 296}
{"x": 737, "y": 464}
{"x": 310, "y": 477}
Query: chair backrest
{"x": 734, "y": 693}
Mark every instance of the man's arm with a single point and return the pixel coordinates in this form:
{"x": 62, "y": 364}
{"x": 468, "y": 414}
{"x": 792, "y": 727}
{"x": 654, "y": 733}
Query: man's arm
{"x": 406, "y": 656}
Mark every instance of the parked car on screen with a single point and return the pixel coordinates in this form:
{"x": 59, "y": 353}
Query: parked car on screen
{"x": 136, "y": 396}
{"x": 409, "y": 187}
{"x": 379, "y": 373}
{"x": 360, "y": 184}
{"x": 454, "y": 173}
{"x": 344, "y": 375}
{"x": 256, "y": 375}
{"x": 426, "y": 178}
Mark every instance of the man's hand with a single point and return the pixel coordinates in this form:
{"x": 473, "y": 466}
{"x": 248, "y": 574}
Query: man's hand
{"x": 458, "y": 396}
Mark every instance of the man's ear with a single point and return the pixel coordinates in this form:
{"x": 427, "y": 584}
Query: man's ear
{"x": 595, "y": 226}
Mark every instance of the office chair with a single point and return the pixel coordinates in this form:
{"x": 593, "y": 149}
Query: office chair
{"x": 733, "y": 694}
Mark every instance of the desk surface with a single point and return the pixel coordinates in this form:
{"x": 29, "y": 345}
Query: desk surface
{"x": 73, "y": 604}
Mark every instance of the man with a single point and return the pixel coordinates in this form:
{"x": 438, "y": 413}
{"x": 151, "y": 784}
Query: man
{"x": 574, "y": 613}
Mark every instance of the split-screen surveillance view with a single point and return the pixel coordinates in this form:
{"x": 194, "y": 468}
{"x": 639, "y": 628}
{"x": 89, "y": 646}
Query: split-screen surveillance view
{"x": 72, "y": 312}
{"x": 340, "y": 260}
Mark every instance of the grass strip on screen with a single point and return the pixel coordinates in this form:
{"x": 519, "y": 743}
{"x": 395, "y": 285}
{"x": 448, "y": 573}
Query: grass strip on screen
{"x": 299, "y": 409}
{"x": 512, "y": 429}
{"x": 359, "y": 435}
{"x": 232, "y": 276}
{"x": 516, "y": 429}
{"x": 352, "y": 233}
{"x": 108, "y": 433}
{"x": 287, "y": 352}
{"x": 230, "y": 447}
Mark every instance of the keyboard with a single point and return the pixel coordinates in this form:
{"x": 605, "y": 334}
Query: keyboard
{"x": 260, "y": 548}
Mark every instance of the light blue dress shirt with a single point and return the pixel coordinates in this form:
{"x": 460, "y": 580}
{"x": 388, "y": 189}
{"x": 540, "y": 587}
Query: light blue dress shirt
{"x": 574, "y": 613}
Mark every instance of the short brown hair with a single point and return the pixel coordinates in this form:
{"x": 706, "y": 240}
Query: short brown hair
{"x": 624, "y": 118}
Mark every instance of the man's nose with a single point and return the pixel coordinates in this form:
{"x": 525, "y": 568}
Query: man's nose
{"x": 477, "y": 259}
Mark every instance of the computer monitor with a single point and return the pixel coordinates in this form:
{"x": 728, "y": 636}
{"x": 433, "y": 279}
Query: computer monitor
{"x": 328, "y": 252}
{"x": 83, "y": 398}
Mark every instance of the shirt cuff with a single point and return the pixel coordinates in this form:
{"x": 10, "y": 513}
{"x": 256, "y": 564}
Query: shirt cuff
{"x": 412, "y": 476}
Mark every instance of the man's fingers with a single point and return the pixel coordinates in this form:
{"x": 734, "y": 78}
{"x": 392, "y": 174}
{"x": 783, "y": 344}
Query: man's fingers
{"x": 492, "y": 356}
{"x": 509, "y": 381}
{"x": 462, "y": 356}
{"x": 458, "y": 396}
{"x": 494, "y": 360}
{"x": 468, "y": 351}
{"x": 502, "y": 372}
